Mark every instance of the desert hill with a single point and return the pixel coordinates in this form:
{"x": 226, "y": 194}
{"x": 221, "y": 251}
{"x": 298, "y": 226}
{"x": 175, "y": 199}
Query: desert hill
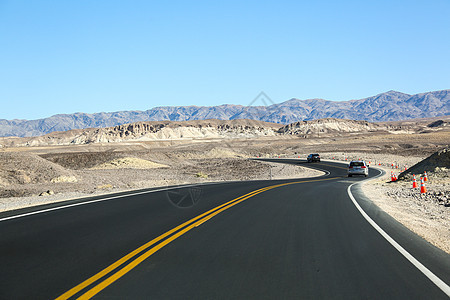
{"x": 338, "y": 127}
{"x": 225, "y": 129}
{"x": 151, "y": 131}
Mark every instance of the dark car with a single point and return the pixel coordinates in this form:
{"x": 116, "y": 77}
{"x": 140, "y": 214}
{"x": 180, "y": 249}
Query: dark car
{"x": 313, "y": 157}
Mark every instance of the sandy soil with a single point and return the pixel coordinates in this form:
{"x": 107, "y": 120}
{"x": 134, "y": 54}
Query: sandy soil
{"x": 62, "y": 172}
{"x": 135, "y": 173}
{"x": 425, "y": 214}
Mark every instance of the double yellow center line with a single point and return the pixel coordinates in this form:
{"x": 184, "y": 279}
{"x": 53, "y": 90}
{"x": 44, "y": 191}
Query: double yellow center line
{"x": 150, "y": 248}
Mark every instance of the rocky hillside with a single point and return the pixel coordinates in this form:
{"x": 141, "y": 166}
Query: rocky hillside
{"x": 225, "y": 129}
{"x": 337, "y": 127}
{"x": 389, "y": 106}
{"x": 329, "y": 126}
{"x": 148, "y": 131}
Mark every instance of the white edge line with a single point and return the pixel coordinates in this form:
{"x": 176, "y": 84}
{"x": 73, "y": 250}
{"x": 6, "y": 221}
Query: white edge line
{"x": 436, "y": 280}
{"x": 294, "y": 159}
{"x": 93, "y": 201}
{"x": 108, "y": 198}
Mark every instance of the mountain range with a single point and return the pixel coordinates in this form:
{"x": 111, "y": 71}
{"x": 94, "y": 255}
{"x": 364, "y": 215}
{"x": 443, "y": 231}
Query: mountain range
{"x": 388, "y": 106}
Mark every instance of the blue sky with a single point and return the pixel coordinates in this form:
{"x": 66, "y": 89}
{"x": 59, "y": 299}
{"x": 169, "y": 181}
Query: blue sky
{"x": 92, "y": 56}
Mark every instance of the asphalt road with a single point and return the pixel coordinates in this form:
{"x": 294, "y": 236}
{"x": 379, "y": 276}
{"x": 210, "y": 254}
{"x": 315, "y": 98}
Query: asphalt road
{"x": 279, "y": 239}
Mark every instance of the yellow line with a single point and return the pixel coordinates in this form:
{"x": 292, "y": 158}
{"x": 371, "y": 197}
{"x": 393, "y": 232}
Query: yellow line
{"x": 95, "y": 290}
{"x": 116, "y": 264}
{"x": 192, "y": 223}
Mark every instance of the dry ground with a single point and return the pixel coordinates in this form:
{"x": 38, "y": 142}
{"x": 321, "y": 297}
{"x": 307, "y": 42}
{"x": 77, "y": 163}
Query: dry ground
{"x": 61, "y": 172}
{"x": 427, "y": 215}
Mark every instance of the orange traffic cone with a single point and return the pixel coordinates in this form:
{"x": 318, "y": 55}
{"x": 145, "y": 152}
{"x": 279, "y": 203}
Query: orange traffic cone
{"x": 425, "y": 178}
{"x": 414, "y": 182}
{"x": 423, "y": 188}
{"x": 393, "y": 177}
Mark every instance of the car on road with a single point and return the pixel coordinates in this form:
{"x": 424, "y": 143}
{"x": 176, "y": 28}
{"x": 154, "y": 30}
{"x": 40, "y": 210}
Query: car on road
{"x": 313, "y": 157}
{"x": 358, "y": 167}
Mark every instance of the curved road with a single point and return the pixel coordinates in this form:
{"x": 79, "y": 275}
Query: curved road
{"x": 279, "y": 239}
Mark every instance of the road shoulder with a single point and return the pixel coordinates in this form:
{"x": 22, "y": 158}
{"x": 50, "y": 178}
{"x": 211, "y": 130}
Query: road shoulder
{"x": 425, "y": 218}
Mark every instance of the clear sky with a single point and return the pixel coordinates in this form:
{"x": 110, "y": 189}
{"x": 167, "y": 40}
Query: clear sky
{"x": 92, "y": 56}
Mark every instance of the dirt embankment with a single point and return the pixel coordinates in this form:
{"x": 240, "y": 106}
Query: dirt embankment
{"x": 25, "y": 169}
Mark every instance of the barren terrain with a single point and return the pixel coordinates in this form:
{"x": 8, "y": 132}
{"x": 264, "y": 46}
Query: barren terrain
{"x": 32, "y": 175}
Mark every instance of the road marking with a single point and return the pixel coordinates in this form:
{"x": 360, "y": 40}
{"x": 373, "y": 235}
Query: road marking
{"x": 95, "y": 290}
{"x": 185, "y": 227}
{"x": 436, "y": 280}
{"x": 137, "y": 251}
{"x": 92, "y": 201}
{"x": 104, "y": 199}
{"x": 333, "y": 166}
{"x": 296, "y": 160}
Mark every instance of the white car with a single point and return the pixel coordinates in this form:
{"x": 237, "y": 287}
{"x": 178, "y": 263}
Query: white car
{"x": 358, "y": 167}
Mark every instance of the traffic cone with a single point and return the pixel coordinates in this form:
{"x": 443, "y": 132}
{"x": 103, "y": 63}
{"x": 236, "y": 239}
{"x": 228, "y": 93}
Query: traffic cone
{"x": 414, "y": 182}
{"x": 423, "y": 188}
{"x": 425, "y": 178}
{"x": 392, "y": 177}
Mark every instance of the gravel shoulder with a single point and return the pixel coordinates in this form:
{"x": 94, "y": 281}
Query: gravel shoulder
{"x": 426, "y": 215}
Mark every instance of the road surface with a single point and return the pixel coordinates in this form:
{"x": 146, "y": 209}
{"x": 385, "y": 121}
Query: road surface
{"x": 278, "y": 239}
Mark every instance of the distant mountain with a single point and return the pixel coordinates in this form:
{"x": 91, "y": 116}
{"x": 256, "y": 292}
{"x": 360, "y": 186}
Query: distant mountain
{"x": 389, "y": 106}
